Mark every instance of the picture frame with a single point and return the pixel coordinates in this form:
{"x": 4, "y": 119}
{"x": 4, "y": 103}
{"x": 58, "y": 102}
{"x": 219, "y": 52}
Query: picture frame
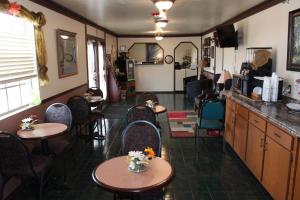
{"x": 293, "y": 48}
{"x": 66, "y": 53}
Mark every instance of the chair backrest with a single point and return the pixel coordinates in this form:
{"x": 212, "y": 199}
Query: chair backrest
{"x": 213, "y": 110}
{"x": 59, "y": 113}
{"x": 140, "y": 112}
{"x": 15, "y": 158}
{"x": 139, "y": 135}
{"x": 95, "y": 91}
{"x": 147, "y": 96}
{"x": 79, "y": 107}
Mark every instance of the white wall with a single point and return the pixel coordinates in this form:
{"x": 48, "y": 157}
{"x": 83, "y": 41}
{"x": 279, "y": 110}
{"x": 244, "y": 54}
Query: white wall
{"x": 59, "y": 21}
{"x": 158, "y": 77}
{"x": 268, "y": 28}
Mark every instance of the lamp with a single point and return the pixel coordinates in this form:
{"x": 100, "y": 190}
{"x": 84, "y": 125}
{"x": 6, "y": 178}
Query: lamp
{"x": 161, "y": 23}
{"x": 158, "y": 36}
{"x": 224, "y": 77}
{"x": 163, "y": 4}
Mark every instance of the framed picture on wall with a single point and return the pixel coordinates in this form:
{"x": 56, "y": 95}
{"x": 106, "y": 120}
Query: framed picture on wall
{"x": 293, "y": 57}
{"x": 66, "y": 53}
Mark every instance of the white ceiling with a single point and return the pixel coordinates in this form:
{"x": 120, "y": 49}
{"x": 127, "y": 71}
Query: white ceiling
{"x": 133, "y": 17}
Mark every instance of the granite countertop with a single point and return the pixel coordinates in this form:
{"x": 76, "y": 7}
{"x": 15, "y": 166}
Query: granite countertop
{"x": 277, "y": 112}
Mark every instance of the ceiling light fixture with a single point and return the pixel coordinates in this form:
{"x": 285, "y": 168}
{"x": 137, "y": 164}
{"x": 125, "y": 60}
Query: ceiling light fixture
{"x": 163, "y": 4}
{"x": 161, "y": 23}
{"x": 158, "y": 36}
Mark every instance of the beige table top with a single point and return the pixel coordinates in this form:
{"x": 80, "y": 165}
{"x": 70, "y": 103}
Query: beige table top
{"x": 113, "y": 175}
{"x": 43, "y": 130}
{"x": 159, "y": 109}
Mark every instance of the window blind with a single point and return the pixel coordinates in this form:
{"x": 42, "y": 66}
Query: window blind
{"x": 17, "y": 49}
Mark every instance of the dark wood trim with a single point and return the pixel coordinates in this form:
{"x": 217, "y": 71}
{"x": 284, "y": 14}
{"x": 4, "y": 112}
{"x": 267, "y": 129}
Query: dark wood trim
{"x": 63, "y": 93}
{"x": 251, "y": 11}
{"x": 166, "y": 36}
{"x": 67, "y": 12}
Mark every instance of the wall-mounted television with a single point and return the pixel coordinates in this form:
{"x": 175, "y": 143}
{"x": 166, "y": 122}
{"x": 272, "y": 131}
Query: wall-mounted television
{"x": 227, "y": 36}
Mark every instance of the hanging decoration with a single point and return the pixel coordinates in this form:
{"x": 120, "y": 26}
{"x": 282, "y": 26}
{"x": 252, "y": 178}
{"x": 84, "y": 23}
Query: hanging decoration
{"x": 38, "y": 19}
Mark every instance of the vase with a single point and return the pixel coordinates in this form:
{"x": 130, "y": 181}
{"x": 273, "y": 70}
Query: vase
{"x": 136, "y": 168}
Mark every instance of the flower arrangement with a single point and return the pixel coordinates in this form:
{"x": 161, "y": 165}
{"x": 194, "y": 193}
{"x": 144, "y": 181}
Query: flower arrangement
{"x": 138, "y": 160}
{"x": 27, "y": 123}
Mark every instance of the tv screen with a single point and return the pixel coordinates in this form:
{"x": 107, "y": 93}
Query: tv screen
{"x": 227, "y": 36}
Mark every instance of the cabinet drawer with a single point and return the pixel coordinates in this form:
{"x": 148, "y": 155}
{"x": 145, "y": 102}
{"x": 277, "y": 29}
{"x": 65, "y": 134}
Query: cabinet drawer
{"x": 242, "y": 111}
{"x": 257, "y": 121}
{"x": 280, "y": 136}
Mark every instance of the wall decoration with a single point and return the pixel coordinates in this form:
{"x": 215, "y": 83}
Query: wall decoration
{"x": 293, "y": 58}
{"x": 169, "y": 59}
{"x": 66, "y": 53}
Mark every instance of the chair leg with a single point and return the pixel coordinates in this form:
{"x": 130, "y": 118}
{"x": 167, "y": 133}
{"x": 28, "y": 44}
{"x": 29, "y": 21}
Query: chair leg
{"x": 41, "y": 182}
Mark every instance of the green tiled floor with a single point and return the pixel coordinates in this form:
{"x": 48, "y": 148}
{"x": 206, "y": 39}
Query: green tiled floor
{"x": 214, "y": 175}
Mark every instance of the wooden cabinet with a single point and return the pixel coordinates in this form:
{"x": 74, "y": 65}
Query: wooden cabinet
{"x": 240, "y": 136}
{"x": 229, "y": 122}
{"x": 296, "y": 194}
{"x": 277, "y": 164}
{"x": 255, "y": 150}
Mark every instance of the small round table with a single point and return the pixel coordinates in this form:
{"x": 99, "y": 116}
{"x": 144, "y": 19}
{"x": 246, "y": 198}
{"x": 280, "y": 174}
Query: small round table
{"x": 43, "y": 131}
{"x": 159, "y": 109}
{"x": 113, "y": 175}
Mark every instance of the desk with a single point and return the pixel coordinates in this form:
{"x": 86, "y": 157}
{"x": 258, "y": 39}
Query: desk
{"x": 159, "y": 109}
{"x": 113, "y": 175}
{"x": 43, "y": 131}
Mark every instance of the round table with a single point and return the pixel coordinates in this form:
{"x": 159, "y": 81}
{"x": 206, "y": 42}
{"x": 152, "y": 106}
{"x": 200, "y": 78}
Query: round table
{"x": 159, "y": 109}
{"x": 43, "y": 131}
{"x": 113, "y": 175}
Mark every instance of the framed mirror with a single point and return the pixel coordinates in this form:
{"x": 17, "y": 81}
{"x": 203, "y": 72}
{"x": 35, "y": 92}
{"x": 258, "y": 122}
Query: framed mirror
{"x": 66, "y": 53}
{"x": 147, "y": 53}
{"x": 186, "y": 55}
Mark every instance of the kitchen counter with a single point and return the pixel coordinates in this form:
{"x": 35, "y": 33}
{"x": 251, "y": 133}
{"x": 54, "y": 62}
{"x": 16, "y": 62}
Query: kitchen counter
{"x": 277, "y": 112}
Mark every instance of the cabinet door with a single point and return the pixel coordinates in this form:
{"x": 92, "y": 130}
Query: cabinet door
{"x": 179, "y": 75}
{"x": 297, "y": 181}
{"x": 229, "y": 130}
{"x": 255, "y": 150}
{"x": 276, "y": 169}
{"x": 240, "y": 136}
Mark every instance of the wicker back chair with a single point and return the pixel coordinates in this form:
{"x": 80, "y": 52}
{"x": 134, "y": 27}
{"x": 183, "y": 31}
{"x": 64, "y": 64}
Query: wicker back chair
{"x": 59, "y": 113}
{"x": 147, "y": 96}
{"x": 139, "y": 135}
{"x": 80, "y": 109}
{"x": 140, "y": 112}
{"x": 95, "y": 91}
{"x": 16, "y": 160}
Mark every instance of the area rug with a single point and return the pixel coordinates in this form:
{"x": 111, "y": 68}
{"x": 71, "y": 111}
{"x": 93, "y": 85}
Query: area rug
{"x": 182, "y": 123}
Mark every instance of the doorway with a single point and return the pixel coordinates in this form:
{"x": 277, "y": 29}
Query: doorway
{"x": 97, "y": 74}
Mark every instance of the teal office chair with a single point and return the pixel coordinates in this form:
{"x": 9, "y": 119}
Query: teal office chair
{"x": 211, "y": 117}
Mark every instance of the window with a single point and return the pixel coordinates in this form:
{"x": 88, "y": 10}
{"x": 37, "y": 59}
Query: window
{"x": 18, "y": 68}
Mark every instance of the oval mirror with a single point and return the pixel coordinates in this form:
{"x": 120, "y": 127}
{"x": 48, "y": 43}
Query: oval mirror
{"x": 186, "y": 55}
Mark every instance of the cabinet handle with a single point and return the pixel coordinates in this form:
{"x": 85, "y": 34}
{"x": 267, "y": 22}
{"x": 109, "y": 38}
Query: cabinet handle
{"x": 277, "y": 135}
{"x": 265, "y": 148}
{"x": 262, "y": 141}
{"x": 255, "y": 121}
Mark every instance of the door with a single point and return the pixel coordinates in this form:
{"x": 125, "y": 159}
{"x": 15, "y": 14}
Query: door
{"x": 255, "y": 150}
{"x": 276, "y": 169}
{"x": 240, "y": 136}
{"x": 97, "y": 75}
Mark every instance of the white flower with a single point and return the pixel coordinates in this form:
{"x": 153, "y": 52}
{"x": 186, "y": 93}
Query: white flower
{"x": 27, "y": 120}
